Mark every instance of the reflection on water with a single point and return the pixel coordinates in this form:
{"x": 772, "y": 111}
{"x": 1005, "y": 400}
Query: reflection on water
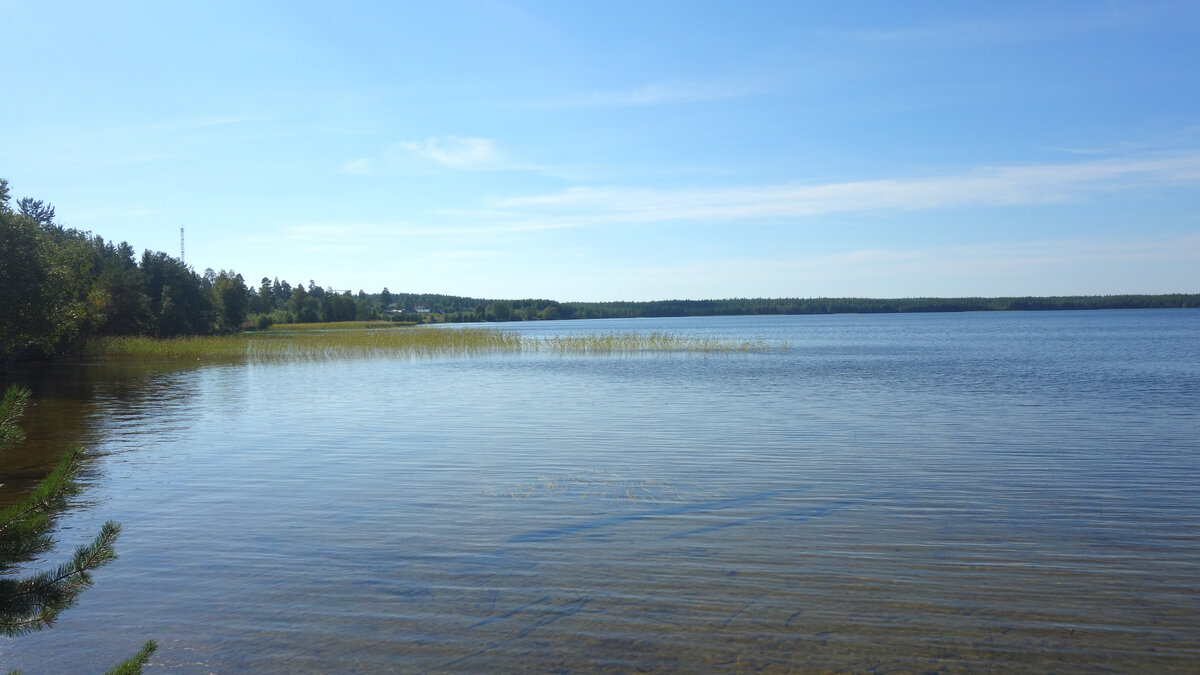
{"x": 950, "y": 493}
{"x": 68, "y": 396}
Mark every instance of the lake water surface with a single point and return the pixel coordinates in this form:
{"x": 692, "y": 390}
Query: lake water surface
{"x": 919, "y": 492}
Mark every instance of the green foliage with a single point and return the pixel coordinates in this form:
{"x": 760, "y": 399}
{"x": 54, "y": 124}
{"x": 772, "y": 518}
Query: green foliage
{"x": 266, "y": 302}
{"x": 133, "y": 666}
{"x": 29, "y": 603}
{"x": 552, "y": 311}
{"x": 118, "y": 291}
{"x": 37, "y": 211}
{"x": 32, "y": 603}
{"x": 364, "y": 310}
{"x": 124, "y": 306}
{"x": 281, "y": 290}
{"x": 338, "y": 308}
{"x": 500, "y": 311}
{"x": 180, "y": 303}
{"x": 229, "y": 290}
{"x": 43, "y": 286}
{"x": 12, "y": 406}
{"x": 25, "y": 525}
{"x": 303, "y": 306}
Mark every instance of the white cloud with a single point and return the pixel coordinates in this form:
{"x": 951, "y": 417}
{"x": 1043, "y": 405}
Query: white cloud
{"x": 985, "y": 186}
{"x": 380, "y": 231}
{"x": 457, "y": 152}
{"x": 1046, "y": 267}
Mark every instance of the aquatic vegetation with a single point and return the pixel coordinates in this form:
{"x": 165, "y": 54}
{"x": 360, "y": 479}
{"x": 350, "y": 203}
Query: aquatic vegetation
{"x": 335, "y": 325}
{"x": 653, "y": 342}
{"x": 370, "y": 341}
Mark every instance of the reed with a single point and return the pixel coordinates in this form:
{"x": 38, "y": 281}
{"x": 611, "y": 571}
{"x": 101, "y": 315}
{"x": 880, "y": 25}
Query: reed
{"x": 654, "y": 342}
{"x": 339, "y": 325}
{"x": 411, "y": 342}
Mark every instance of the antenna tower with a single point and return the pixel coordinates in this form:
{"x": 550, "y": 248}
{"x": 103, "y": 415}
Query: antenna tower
{"x": 180, "y": 243}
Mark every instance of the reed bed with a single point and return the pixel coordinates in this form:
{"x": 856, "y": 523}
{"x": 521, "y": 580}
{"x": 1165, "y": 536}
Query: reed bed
{"x": 410, "y": 342}
{"x": 207, "y": 346}
{"x": 339, "y": 325}
{"x": 654, "y": 342}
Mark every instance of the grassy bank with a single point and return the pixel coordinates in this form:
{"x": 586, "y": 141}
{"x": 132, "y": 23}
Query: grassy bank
{"x": 370, "y": 341}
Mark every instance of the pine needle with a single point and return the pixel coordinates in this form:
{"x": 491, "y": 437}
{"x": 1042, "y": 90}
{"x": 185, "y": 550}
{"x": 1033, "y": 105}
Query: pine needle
{"x": 12, "y": 405}
{"x": 133, "y": 666}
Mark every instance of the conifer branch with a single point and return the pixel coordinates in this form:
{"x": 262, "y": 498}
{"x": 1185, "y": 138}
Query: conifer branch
{"x": 49, "y": 493}
{"x": 23, "y": 525}
{"x": 12, "y": 405}
{"x": 34, "y": 602}
{"x": 133, "y": 665}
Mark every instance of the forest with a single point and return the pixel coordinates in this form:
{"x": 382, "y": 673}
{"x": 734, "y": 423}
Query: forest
{"x": 60, "y": 287}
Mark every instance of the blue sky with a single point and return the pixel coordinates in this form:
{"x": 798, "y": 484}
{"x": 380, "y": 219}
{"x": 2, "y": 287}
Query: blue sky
{"x": 623, "y": 150}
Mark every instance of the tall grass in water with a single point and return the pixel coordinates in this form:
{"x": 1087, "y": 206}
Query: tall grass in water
{"x": 339, "y": 325}
{"x": 307, "y": 345}
{"x": 655, "y": 342}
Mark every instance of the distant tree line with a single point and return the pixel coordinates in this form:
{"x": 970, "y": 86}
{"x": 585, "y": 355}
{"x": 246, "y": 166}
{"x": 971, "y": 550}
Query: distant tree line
{"x": 443, "y": 308}
{"x": 60, "y": 286}
{"x": 740, "y": 306}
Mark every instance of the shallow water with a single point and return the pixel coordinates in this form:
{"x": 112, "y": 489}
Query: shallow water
{"x": 941, "y": 492}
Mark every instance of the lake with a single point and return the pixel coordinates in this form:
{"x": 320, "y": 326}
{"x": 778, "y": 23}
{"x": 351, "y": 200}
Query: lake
{"x": 915, "y": 492}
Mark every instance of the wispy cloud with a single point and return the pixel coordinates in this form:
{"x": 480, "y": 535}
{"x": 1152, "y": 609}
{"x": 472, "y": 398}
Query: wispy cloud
{"x": 377, "y": 232}
{"x": 456, "y": 152}
{"x": 986, "y": 186}
{"x": 1044, "y": 267}
{"x": 462, "y": 153}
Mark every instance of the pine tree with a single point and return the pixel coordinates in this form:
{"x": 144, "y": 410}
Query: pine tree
{"x": 33, "y": 602}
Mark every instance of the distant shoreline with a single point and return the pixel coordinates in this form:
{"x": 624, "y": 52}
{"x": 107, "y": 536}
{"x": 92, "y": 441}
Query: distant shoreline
{"x": 453, "y": 309}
